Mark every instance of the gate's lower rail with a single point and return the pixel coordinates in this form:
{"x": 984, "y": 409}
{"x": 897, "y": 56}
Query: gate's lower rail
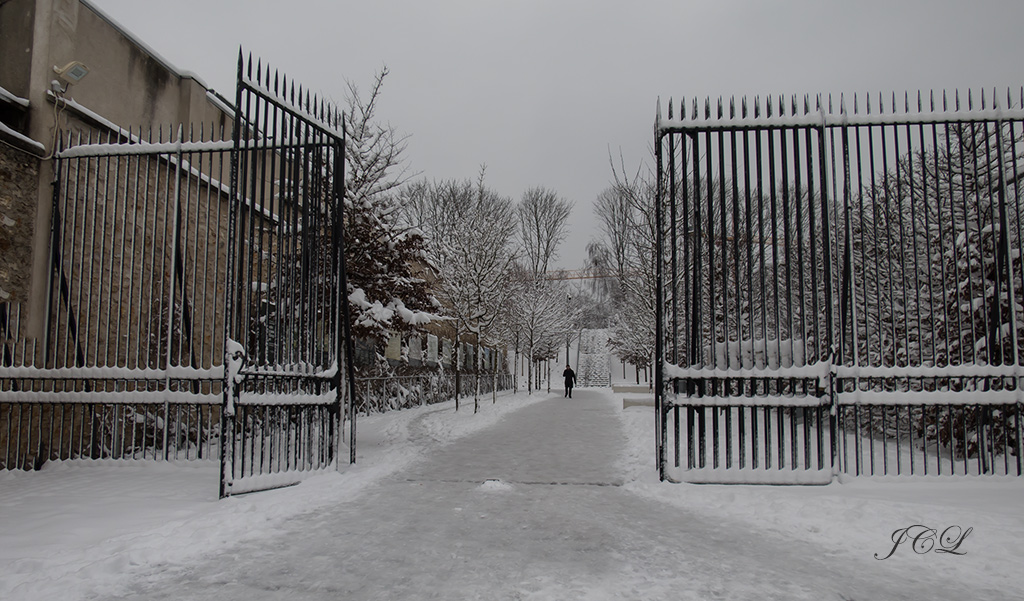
{"x": 43, "y": 421}
{"x": 914, "y": 426}
{"x": 757, "y": 439}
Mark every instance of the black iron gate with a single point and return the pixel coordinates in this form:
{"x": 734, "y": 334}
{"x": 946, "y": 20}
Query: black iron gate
{"x": 287, "y": 360}
{"x": 839, "y": 288}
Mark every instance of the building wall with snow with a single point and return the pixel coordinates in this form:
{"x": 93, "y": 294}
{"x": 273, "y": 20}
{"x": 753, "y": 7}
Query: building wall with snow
{"x": 128, "y": 85}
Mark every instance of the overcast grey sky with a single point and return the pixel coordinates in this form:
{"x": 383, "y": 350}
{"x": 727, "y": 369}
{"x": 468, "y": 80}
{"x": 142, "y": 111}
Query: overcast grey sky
{"x": 542, "y": 90}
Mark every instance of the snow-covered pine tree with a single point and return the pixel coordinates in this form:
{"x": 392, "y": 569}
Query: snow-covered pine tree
{"x": 388, "y": 269}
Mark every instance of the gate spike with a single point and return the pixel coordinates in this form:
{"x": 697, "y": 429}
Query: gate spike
{"x": 276, "y": 81}
{"x": 732, "y": 107}
{"x": 867, "y": 102}
{"x": 945, "y": 103}
{"x": 970, "y": 100}
{"x": 707, "y": 108}
{"x": 906, "y": 103}
{"x": 743, "y": 107}
{"x": 919, "y": 109}
{"x": 855, "y": 107}
{"x": 957, "y": 99}
{"x": 807, "y": 104}
{"x": 259, "y": 69}
{"x": 248, "y": 67}
{"x": 670, "y": 103}
{"x": 768, "y": 106}
{"x": 682, "y": 109}
{"x": 694, "y": 113}
{"x": 1009, "y": 99}
{"x": 983, "y": 99}
{"x": 757, "y": 106}
{"x": 719, "y": 107}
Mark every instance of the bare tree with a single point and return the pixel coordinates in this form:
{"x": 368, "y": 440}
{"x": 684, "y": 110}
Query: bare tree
{"x": 542, "y": 217}
{"x": 470, "y": 231}
{"x": 626, "y": 252}
{"x": 537, "y": 314}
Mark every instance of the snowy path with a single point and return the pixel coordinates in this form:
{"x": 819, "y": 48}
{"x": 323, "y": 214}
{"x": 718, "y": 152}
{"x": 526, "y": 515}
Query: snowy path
{"x": 530, "y": 508}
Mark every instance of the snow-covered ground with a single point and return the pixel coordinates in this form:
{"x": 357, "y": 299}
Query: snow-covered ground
{"x": 77, "y": 530}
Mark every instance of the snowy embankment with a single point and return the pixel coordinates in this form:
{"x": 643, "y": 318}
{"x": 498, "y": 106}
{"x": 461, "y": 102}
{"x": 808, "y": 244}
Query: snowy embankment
{"x": 76, "y": 526}
{"x": 857, "y": 519}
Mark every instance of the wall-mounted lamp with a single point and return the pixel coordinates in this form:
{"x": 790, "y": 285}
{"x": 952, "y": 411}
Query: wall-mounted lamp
{"x": 73, "y": 72}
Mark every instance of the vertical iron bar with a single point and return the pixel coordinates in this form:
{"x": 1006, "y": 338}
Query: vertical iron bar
{"x": 659, "y": 351}
{"x": 856, "y": 439}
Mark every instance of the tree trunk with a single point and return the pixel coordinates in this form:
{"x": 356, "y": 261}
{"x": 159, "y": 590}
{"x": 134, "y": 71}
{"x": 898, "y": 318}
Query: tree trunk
{"x": 456, "y": 356}
{"x": 529, "y": 376}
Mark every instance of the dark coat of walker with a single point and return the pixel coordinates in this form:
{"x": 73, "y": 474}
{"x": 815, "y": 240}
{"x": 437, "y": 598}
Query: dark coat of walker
{"x": 570, "y": 380}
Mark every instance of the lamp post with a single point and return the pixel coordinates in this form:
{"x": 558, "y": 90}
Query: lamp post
{"x": 568, "y": 334}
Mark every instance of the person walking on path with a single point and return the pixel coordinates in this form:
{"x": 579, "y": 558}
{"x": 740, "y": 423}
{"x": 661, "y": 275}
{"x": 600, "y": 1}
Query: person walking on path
{"x": 570, "y": 380}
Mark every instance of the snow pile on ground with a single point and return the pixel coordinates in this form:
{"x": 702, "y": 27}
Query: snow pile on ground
{"x": 89, "y": 521}
{"x": 495, "y": 486}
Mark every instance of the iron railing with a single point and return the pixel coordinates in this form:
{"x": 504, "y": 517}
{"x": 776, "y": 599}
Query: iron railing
{"x": 379, "y": 394}
{"x": 129, "y": 364}
{"x": 820, "y": 264}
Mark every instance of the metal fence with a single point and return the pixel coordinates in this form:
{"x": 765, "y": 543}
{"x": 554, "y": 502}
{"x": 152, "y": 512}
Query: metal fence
{"x": 175, "y": 253}
{"x": 840, "y": 285}
{"x": 130, "y": 362}
{"x": 379, "y": 394}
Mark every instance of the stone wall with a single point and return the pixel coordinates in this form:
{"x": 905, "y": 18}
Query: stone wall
{"x": 19, "y": 177}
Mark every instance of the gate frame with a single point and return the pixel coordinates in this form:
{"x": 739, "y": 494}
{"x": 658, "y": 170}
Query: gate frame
{"x": 836, "y": 373}
{"x": 322, "y": 119}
